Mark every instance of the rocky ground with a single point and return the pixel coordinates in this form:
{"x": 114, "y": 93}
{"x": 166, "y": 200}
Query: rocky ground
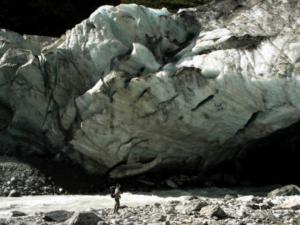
{"x": 19, "y": 178}
{"x": 281, "y": 206}
{"x": 43, "y": 176}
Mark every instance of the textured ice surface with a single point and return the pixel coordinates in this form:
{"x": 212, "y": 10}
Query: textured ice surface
{"x": 133, "y": 89}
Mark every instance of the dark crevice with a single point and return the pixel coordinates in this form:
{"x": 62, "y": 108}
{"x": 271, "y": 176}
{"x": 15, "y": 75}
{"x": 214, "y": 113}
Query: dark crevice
{"x": 163, "y": 103}
{"x": 143, "y": 93}
{"x": 180, "y": 118}
{"x": 246, "y": 42}
{"x": 206, "y": 100}
{"x": 161, "y": 106}
{"x": 6, "y": 116}
{"x": 110, "y": 94}
{"x": 171, "y": 56}
{"x": 127, "y": 82}
{"x": 128, "y": 141}
{"x": 250, "y": 121}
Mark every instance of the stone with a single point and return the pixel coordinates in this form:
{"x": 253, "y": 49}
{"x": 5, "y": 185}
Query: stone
{"x": 156, "y": 204}
{"x": 102, "y": 223}
{"x": 190, "y": 207}
{"x": 160, "y": 218}
{"x": 229, "y": 197}
{"x": 190, "y": 198}
{"x": 58, "y": 216}
{"x": 223, "y": 81}
{"x": 253, "y": 206}
{"x": 84, "y": 218}
{"x": 246, "y": 198}
{"x": 285, "y": 191}
{"x": 211, "y": 211}
{"x": 290, "y": 205}
{"x": 169, "y": 209}
{"x": 17, "y": 214}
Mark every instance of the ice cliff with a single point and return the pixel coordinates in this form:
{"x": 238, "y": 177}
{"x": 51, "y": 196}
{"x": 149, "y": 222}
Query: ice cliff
{"x": 133, "y": 89}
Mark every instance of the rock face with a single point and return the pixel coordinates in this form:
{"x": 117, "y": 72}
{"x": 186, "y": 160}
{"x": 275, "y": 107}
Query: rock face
{"x": 132, "y": 89}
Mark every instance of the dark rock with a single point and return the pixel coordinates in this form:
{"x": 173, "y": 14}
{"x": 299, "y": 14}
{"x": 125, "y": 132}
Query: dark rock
{"x": 285, "y": 191}
{"x": 253, "y": 206}
{"x": 192, "y": 198}
{"x": 157, "y": 204}
{"x": 17, "y": 214}
{"x": 161, "y": 218}
{"x": 84, "y": 218}
{"x": 268, "y": 205}
{"x": 58, "y": 216}
{"x": 211, "y": 211}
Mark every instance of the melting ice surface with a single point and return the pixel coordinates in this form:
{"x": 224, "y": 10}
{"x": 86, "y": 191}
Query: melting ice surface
{"x": 33, "y": 204}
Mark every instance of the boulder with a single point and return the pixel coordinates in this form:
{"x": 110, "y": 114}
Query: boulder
{"x": 84, "y": 218}
{"x": 17, "y": 214}
{"x": 58, "y": 216}
{"x": 211, "y": 211}
{"x": 190, "y": 207}
{"x": 289, "y": 205}
{"x": 285, "y": 191}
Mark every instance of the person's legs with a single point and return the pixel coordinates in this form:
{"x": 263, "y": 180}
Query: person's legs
{"x": 117, "y": 205}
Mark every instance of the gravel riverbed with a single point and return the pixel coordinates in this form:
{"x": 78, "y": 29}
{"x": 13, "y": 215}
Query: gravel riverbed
{"x": 195, "y": 207}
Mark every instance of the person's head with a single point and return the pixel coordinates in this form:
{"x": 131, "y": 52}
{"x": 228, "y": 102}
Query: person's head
{"x": 118, "y": 185}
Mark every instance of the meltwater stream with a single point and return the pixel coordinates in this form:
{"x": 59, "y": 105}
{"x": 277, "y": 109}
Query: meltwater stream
{"x": 46, "y": 203}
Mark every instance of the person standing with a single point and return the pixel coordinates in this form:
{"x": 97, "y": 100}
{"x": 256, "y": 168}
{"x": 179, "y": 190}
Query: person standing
{"x": 116, "y": 194}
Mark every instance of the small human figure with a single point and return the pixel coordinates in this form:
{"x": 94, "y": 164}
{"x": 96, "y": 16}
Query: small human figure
{"x": 116, "y": 194}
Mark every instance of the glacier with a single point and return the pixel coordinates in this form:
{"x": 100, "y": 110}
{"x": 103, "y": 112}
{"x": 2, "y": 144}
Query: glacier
{"x": 133, "y": 89}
